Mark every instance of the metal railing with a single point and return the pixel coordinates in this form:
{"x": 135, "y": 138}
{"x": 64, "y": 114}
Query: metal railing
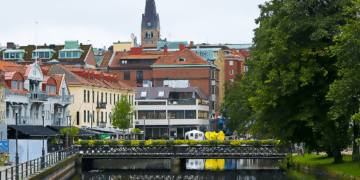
{"x": 101, "y": 105}
{"x": 38, "y": 96}
{"x": 182, "y": 102}
{"x": 69, "y": 99}
{"x": 34, "y": 166}
{"x": 55, "y": 121}
{"x": 26, "y": 120}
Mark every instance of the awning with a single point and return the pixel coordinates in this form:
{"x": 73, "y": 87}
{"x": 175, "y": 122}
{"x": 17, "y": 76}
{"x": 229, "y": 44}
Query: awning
{"x": 81, "y": 132}
{"x": 34, "y": 130}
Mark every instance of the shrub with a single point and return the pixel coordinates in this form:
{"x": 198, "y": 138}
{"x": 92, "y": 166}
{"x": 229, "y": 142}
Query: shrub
{"x": 249, "y": 142}
{"x": 192, "y": 142}
{"x": 134, "y": 143}
{"x": 107, "y": 142}
{"x": 159, "y": 142}
{"x": 170, "y": 143}
{"x": 141, "y": 143}
{"x": 237, "y": 142}
{"x": 204, "y": 143}
{"x": 120, "y": 142}
{"x": 91, "y": 142}
{"x": 257, "y": 143}
{"x": 148, "y": 143}
{"x": 127, "y": 143}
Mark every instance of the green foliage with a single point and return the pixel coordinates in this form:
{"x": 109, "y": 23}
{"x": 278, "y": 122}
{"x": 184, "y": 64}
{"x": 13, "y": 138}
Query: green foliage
{"x": 120, "y": 111}
{"x": 73, "y": 131}
{"x": 135, "y": 131}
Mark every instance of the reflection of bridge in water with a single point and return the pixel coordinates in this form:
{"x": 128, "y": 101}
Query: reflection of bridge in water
{"x": 185, "y": 152}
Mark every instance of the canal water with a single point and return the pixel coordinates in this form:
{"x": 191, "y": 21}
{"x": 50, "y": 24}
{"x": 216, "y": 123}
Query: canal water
{"x": 196, "y": 169}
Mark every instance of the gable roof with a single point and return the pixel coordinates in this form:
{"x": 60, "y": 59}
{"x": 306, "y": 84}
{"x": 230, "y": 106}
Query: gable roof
{"x": 5, "y": 63}
{"x": 191, "y": 58}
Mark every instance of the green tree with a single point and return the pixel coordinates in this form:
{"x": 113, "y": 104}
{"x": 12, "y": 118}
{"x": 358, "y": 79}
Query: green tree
{"x": 73, "y": 131}
{"x": 345, "y": 90}
{"x": 290, "y": 73}
{"x": 136, "y": 132}
{"x": 120, "y": 111}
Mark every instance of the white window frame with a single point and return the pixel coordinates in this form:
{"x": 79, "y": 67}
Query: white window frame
{"x": 231, "y": 72}
{"x": 231, "y": 63}
{"x": 143, "y": 93}
{"x": 161, "y": 93}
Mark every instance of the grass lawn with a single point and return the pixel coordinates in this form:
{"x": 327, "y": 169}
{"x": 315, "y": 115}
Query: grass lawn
{"x": 325, "y": 162}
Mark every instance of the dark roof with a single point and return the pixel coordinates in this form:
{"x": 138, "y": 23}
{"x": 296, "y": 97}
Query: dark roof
{"x": 150, "y": 16}
{"x": 152, "y": 92}
{"x": 34, "y": 130}
{"x": 82, "y": 132}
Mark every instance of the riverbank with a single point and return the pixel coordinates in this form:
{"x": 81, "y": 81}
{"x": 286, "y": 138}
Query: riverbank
{"x": 345, "y": 170}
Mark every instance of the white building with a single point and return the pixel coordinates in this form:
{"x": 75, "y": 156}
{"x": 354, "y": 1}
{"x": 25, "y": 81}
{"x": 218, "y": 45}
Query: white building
{"x": 183, "y": 109}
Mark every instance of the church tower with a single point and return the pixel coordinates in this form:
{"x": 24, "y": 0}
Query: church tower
{"x": 150, "y": 26}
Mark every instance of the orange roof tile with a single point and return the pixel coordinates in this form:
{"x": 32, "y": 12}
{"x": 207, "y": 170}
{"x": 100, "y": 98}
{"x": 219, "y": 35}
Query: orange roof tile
{"x": 190, "y": 57}
{"x": 5, "y": 63}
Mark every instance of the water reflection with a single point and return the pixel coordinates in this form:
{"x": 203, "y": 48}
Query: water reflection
{"x": 231, "y": 164}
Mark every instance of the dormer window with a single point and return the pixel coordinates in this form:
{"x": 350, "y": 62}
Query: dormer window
{"x": 13, "y": 54}
{"x": 43, "y": 53}
{"x": 161, "y": 93}
{"x": 101, "y": 79}
{"x": 14, "y": 84}
{"x": 143, "y": 93}
{"x": 181, "y": 60}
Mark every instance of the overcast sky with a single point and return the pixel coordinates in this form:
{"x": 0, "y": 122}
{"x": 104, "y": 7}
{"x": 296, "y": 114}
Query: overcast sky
{"x": 106, "y": 21}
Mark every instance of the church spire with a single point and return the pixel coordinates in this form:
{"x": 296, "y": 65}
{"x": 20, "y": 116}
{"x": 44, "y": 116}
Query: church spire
{"x": 150, "y": 8}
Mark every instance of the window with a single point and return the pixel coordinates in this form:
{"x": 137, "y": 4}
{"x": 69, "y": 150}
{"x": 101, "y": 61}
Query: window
{"x": 139, "y": 76}
{"x": 213, "y": 105}
{"x": 105, "y": 117}
{"x": 6, "y": 55}
{"x": 176, "y": 114}
{"x": 14, "y": 84}
{"x": 213, "y": 89}
{"x": 12, "y": 55}
{"x": 202, "y": 114}
{"x": 88, "y": 116}
{"x": 160, "y": 114}
{"x": 101, "y": 79}
{"x": 53, "y": 89}
{"x": 213, "y": 74}
{"x": 110, "y": 98}
{"x": 68, "y": 54}
{"x": 215, "y": 53}
{"x": 47, "y": 88}
{"x": 106, "y": 98}
{"x": 93, "y": 116}
{"x": 232, "y": 81}
{"x": 181, "y": 60}
{"x": 143, "y": 94}
{"x": 114, "y": 98}
{"x": 246, "y": 68}
{"x": 18, "y": 55}
{"x": 190, "y": 114}
{"x": 41, "y": 55}
{"x": 147, "y": 114}
{"x": 93, "y": 96}
{"x": 118, "y": 98}
{"x": 124, "y": 62}
{"x": 62, "y": 54}
{"x": 88, "y": 97}
{"x": 21, "y": 85}
{"x": 152, "y": 34}
{"x": 102, "y": 116}
{"x": 84, "y": 95}
{"x": 84, "y": 116}
{"x": 231, "y": 72}
{"x": 231, "y": 63}
{"x": 47, "y": 55}
{"x": 151, "y": 103}
{"x": 102, "y": 97}
{"x": 75, "y": 54}
{"x": 126, "y": 75}
{"x": 161, "y": 94}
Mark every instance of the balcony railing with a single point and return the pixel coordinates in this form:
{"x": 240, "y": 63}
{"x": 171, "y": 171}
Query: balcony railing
{"x": 182, "y": 101}
{"x": 38, "y": 96}
{"x": 203, "y": 102}
{"x": 58, "y": 122}
{"x": 68, "y": 99}
{"x": 101, "y": 105}
{"x": 101, "y": 124}
{"x": 7, "y": 92}
{"x": 26, "y": 120}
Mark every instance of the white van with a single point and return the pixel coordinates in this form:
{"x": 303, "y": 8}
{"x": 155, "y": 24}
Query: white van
{"x": 195, "y": 135}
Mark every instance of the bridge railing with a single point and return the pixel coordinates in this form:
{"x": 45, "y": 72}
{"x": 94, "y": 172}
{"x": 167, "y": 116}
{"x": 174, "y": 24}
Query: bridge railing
{"x": 34, "y": 166}
{"x": 185, "y": 151}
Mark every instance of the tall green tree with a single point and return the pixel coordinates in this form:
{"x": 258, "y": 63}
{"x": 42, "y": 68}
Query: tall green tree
{"x": 120, "y": 111}
{"x": 73, "y": 131}
{"x": 346, "y": 88}
{"x": 290, "y": 73}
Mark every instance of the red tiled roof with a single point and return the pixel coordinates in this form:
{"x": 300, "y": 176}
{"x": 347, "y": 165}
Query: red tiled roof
{"x": 190, "y": 57}
{"x": 19, "y": 91}
{"x": 58, "y": 79}
{"x": 20, "y": 69}
{"x": 5, "y": 63}
{"x": 107, "y": 56}
{"x": 244, "y": 53}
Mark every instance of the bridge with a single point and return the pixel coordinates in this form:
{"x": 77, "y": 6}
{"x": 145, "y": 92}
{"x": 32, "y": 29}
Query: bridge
{"x": 184, "y": 152}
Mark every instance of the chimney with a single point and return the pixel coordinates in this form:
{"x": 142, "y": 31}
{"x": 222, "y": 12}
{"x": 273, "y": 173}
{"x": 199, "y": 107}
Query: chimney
{"x": 136, "y": 51}
{"x": 44, "y": 44}
{"x": 165, "y": 49}
{"x": 117, "y": 52}
{"x": 10, "y": 45}
{"x": 80, "y": 44}
{"x": 191, "y": 43}
{"x": 181, "y": 47}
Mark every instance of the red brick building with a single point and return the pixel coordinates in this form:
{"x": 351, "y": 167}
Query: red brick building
{"x": 234, "y": 64}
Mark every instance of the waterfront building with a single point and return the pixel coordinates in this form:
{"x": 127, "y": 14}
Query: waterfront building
{"x": 95, "y": 95}
{"x": 71, "y": 53}
{"x": 181, "y": 109}
{"x": 150, "y": 26}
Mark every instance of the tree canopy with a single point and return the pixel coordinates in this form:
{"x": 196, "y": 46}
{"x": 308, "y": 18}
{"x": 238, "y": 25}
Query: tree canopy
{"x": 120, "y": 111}
{"x": 284, "y": 92}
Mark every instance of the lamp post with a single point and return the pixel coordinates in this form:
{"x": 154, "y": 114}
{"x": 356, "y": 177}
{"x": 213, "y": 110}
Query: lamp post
{"x": 169, "y": 126}
{"x": 67, "y": 132}
{"x": 110, "y": 116}
{"x": 43, "y": 147}
{"x": 17, "y": 154}
{"x": 127, "y": 121}
{"x": 59, "y": 153}
{"x": 70, "y": 132}
{"x": 144, "y": 117}
{"x": 91, "y": 117}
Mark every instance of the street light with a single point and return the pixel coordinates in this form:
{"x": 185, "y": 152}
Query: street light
{"x": 15, "y": 108}
{"x": 91, "y": 117}
{"x": 110, "y": 116}
{"x": 70, "y": 132}
{"x": 127, "y": 121}
{"x": 169, "y": 126}
{"x": 43, "y": 149}
{"x": 144, "y": 117}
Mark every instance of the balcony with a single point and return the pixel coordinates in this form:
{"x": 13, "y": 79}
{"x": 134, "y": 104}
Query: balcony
{"x": 58, "y": 122}
{"x": 68, "y": 99}
{"x": 7, "y": 92}
{"x": 101, "y": 105}
{"x": 38, "y": 96}
{"x": 26, "y": 120}
{"x": 182, "y": 102}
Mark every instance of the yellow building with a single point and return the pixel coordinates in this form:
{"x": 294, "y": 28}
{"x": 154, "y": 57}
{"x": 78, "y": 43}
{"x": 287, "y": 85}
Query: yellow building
{"x": 220, "y": 63}
{"x": 125, "y": 46}
{"x": 95, "y": 94}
